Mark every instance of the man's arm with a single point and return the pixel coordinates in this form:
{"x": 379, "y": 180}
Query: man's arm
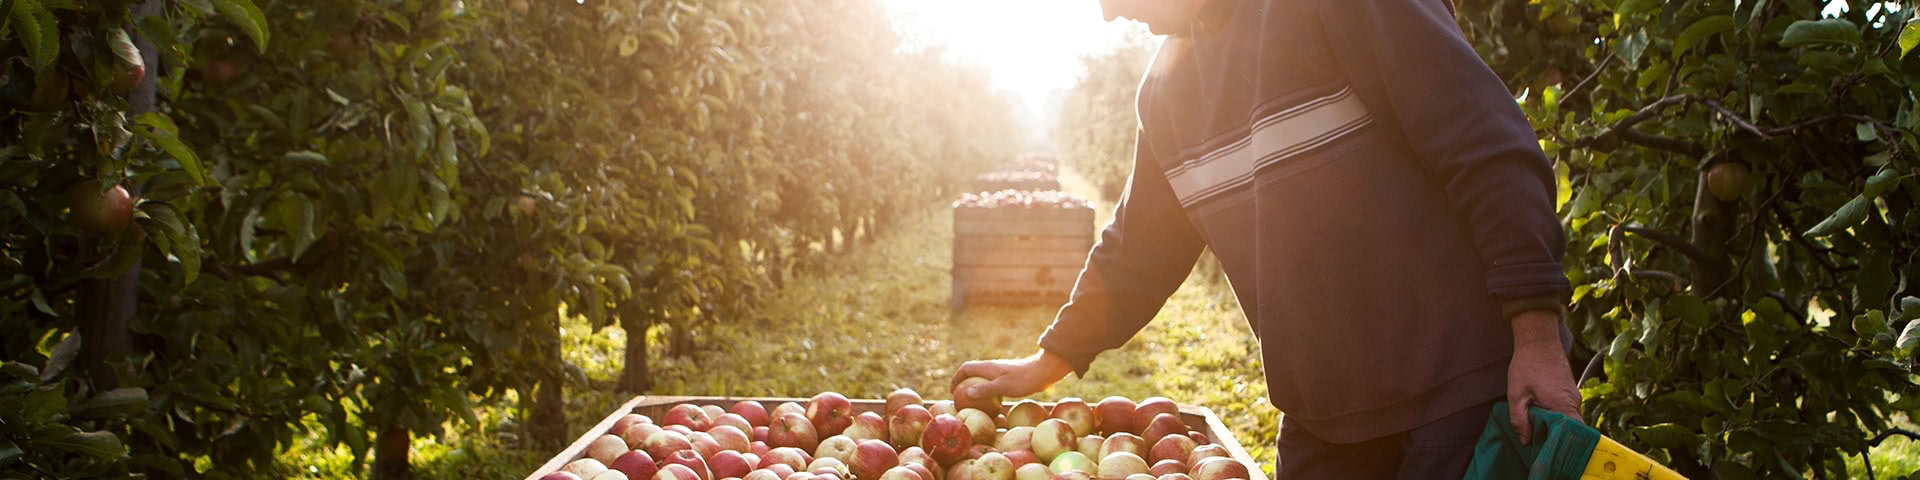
{"x": 1142, "y": 257}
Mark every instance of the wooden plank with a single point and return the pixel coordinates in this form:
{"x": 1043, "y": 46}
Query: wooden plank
{"x": 1196, "y": 417}
{"x": 1072, "y": 252}
{"x": 1017, "y": 278}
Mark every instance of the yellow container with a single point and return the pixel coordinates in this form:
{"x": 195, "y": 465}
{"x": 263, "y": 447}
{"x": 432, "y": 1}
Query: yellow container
{"x": 1611, "y": 460}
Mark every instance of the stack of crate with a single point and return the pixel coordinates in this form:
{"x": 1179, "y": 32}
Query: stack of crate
{"x": 1018, "y": 240}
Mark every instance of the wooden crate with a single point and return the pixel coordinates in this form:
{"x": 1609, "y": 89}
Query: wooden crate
{"x": 1018, "y": 255}
{"x": 985, "y": 185}
{"x": 1197, "y": 418}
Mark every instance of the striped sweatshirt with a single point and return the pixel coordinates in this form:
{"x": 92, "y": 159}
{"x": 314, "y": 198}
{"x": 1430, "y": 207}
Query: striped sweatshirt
{"x": 1379, "y": 204}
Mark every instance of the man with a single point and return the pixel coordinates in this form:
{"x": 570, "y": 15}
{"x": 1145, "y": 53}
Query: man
{"x": 1380, "y": 206}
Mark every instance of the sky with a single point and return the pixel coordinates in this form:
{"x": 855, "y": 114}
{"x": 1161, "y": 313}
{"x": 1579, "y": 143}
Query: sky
{"x": 1030, "y": 47}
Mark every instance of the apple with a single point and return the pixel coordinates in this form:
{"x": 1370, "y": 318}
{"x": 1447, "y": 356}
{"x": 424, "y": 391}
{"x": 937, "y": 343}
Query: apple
{"x": 1140, "y": 476}
{"x": 979, "y": 424}
{"x": 872, "y": 457}
{"x": 584, "y": 467}
{"x": 792, "y": 430}
{"x": 901, "y": 473}
{"x": 1021, "y": 457}
{"x": 636, "y": 435}
{"x": 1174, "y": 476}
{"x": 704, "y": 443}
{"x": 943, "y": 407}
{"x": 838, "y": 447}
{"x": 1032, "y": 471}
{"x": 786, "y": 408}
{"x": 963, "y": 398}
{"x": 1174, "y": 446}
{"x": 1076, "y": 413}
{"x": 961, "y": 470}
{"x": 1161, "y": 426}
{"x": 828, "y": 465}
{"x": 636, "y": 464}
{"x": 1000, "y": 420}
{"x": 560, "y": 476}
{"x": 753, "y": 411}
{"x": 1124, "y": 442}
{"x": 907, "y": 424}
{"x": 730, "y": 438}
{"x": 1053, "y": 437}
{"x": 1727, "y": 180}
{"x": 800, "y": 476}
{"x": 781, "y": 469}
{"x": 902, "y": 397}
{"x": 681, "y": 429}
{"x": 915, "y": 455}
{"x": 759, "y": 434}
{"x": 731, "y": 419}
{"x": 713, "y": 411}
{"x": 729, "y": 464}
{"x": 609, "y": 475}
{"x": 993, "y": 466}
{"x": 1203, "y": 452}
{"x": 1164, "y": 467}
{"x": 1073, "y": 475}
{"x": 830, "y": 413}
{"x": 693, "y": 461}
{"x": 977, "y": 450}
{"x": 606, "y": 448}
{"x": 763, "y": 474}
{"x": 1219, "y": 468}
{"x": 1070, "y": 461}
{"x": 1198, "y": 438}
{"x": 675, "y": 471}
{"x": 628, "y": 421}
{"x": 1090, "y": 446}
{"x": 101, "y": 211}
{"x": 1121, "y": 465}
{"x": 1016, "y": 438}
{"x": 665, "y": 443}
{"x": 946, "y": 439}
{"x": 868, "y": 426}
{"x": 759, "y": 448}
{"x": 1144, "y": 412}
{"x": 1113, "y": 415}
{"x": 689, "y": 415}
{"x": 924, "y": 472}
{"x": 1027, "y": 413}
{"x": 792, "y": 457}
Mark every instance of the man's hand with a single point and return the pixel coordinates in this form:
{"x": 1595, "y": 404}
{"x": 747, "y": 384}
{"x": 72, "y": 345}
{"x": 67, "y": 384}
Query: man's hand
{"x": 1014, "y": 377}
{"x": 1539, "y": 374}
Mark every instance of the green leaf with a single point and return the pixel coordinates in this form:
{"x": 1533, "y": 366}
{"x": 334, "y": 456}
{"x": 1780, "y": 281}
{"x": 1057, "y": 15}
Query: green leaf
{"x": 119, "y": 402}
{"x": 1846, "y": 217}
{"x": 246, "y": 16}
{"x": 1909, "y": 37}
{"x": 1871, "y": 324}
{"x": 1909, "y": 336}
{"x": 1630, "y": 46}
{"x": 1881, "y": 181}
{"x": 38, "y": 32}
{"x": 1865, "y": 132}
{"x": 98, "y": 444}
{"x": 161, "y": 131}
{"x": 1700, "y": 31}
{"x": 9, "y": 451}
{"x": 1824, "y": 31}
{"x": 1667, "y": 435}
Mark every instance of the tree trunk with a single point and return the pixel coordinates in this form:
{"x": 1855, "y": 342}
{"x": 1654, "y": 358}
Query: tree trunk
{"x": 104, "y": 305}
{"x": 390, "y": 455}
{"x": 1713, "y": 224}
{"x": 635, "y": 377}
{"x": 549, "y": 418}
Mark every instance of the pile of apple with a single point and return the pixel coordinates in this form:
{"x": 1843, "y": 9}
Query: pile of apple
{"x": 1116, "y": 439}
{"x": 1021, "y": 198}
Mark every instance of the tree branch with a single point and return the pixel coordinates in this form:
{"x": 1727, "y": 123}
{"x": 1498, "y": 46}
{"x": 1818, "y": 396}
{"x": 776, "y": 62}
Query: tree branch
{"x": 1671, "y": 241}
{"x": 1735, "y": 118}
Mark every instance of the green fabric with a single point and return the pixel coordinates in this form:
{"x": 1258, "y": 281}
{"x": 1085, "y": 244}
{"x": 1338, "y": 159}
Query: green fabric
{"x": 1560, "y": 448}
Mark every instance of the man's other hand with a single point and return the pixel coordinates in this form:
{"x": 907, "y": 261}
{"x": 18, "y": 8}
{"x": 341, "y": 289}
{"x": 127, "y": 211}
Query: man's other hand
{"x": 1539, "y": 374}
{"x": 1013, "y": 377}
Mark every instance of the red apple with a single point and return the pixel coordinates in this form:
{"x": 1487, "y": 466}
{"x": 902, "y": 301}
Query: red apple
{"x": 901, "y": 473}
{"x": 1218, "y": 468}
{"x": 793, "y": 458}
{"x": 902, "y": 397}
{"x": 759, "y": 434}
{"x": 792, "y": 430}
{"x": 627, "y": 421}
{"x": 830, "y": 413}
{"x": 907, "y": 424}
{"x": 1016, "y": 438}
{"x": 964, "y": 399}
{"x": 692, "y": 461}
{"x": 689, "y": 415}
{"x": 828, "y": 466}
{"x": 1174, "y": 476}
{"x": 636, "y": 464}
{"x": 800, "y": 476}
{"x": 731, "y": 419}
{"x": 781, "y": 469}
{"x": 1124, "y": 442}
{"x": 752, "y": 411}
{"x": 1199, "y": 438}
{"x": 1052, "y": 438}
{"x": 1121, "y": 465}
{"x": 763, "y": 474}
{"x": 759, "y": 448}
{"x": 729, "y": 464}
{"x": 1174, "y": 446}
{"x": 680, "y": 429}
{"x": 1021, "y": 457}
{"x": 942, "y": 407}
{"x": 1161, "y": 426}
{"x": 704, "y": 444}
{"x": 606, "y": 448}
{"x": 993, "y": 466}
{"x": 101, "y": 211}
{"x": 1076, "y": 413}
{"x": 609, "y": 474}
{"x": 1203, "y": 452}
{"x": 1071, "y": 461}
{"x": 1164, "y": 467}
{"x": 946, "y": 439}
{"x": 713, "y": 411}
{"x": 664, "y": 443}
{"x": 1073, "y": 475}
{"x": 1027, "y": 413}
{"x": 1140, "y": 476}
{"x": 1144, "y": 412}
{"x": 915, "y": 455}
{"x": 836, "y": 447}
{"x": 785, "y": 408}
{"x": 1113, "y": 415}
{"x": 976, "y": 451}
{"x": 1090, "y": 446}
{"x": 979, "y": 424}
{"x": 636, "y": 435}
{"x": 924, "y": 472}
{"x": 961, "y": 470}
{"x": 872, "y": 457}
{"x": 675, "y": 471}
{"x": 868, "y": 426}
{"x": 560, "y": 476}
{"x": 584, "y": 467}
{"x": 1032, "y": 471}
{"x": 730, "y": 438}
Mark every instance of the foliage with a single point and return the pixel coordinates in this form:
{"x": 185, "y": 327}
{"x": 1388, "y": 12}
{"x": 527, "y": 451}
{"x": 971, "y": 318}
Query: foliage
{"x": 1777, "y": 334}
{"x": 1098, "y": 120}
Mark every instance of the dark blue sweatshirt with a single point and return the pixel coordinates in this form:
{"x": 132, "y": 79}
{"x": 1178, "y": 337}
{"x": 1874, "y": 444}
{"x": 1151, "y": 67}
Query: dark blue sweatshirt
{"x": 1378, "y": 201}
